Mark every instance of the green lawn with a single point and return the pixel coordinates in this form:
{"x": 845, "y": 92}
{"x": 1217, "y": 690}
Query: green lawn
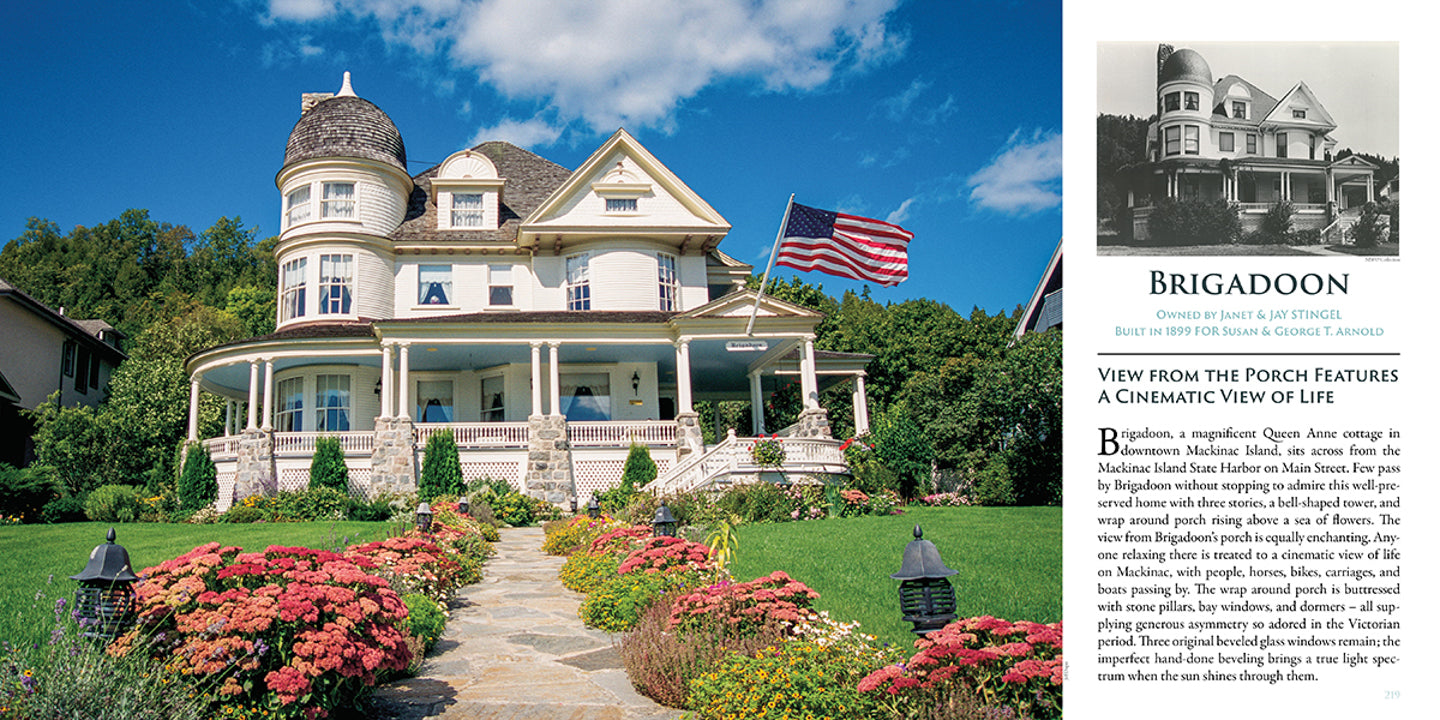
{"x": 1009, "y": 562}
{"x": 37, "y": 560}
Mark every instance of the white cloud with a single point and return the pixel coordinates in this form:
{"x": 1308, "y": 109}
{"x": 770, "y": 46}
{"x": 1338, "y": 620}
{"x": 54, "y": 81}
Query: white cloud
{"x": 1023, "y": 178}
{"x": 629, "y": 62}
{"x": 531, "y": 133}
{"x": 899, "y": 105}
{"x": 902, "y": 213}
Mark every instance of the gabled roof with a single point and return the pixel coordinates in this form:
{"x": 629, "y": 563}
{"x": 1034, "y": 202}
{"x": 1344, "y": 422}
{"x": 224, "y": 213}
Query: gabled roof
{"x": 1044, "y": 309}
{"x": 73, "y": 328}
{"x": 1301, "y": 95}
{"x": 741, "y": 303}
{"x": 553, "y": 215}
{"x": 529, "y": 180}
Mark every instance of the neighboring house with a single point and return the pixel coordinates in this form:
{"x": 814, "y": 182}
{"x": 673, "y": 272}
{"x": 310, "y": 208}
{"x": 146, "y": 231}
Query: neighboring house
{"x": 1045, "y": 308}
{"x": 548, "y": 317}
{"x": 46, "y": 352}
{"x": 1229, "y": 140}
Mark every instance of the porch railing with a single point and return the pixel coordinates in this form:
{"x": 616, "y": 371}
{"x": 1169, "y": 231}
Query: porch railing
{"x": 303, "y": 443}
{"x": 732, "y": 460}
{"x": 478, "y": 435}
{"x": 621, "y": 434}
{"x": 223, "y": 448}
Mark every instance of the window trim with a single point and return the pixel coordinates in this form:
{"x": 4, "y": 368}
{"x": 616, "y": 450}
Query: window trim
{"x": 1297, "y": 113}
{"x": 1172, "y": 101}
{"x": 1192, "y": 100}
{"x": 474, "y": 216}
{"x": 424, "y": 290}
{"x": 290, "y": 418}
{"x": 622, "y": 205}
{"x": 1282, "y": 148}
{"x": 298, "y": 209}
{"x": 1238, "y": 109}
{"x": 1189, "y": 131}
{"x": 1175, "y": 130}
{"x": 1252, "y": 144}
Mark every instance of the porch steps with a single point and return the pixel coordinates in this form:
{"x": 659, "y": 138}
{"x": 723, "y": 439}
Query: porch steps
{"x": 731, "y": 462}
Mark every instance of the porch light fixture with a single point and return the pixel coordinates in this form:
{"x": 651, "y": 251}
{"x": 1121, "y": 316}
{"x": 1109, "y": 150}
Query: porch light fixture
{"x": 423, "y": 516}
{"x": 593, "y": 509}
{"x": 574, "y": 505}
{"x": 635, "y": 382}
{"x": 464, "y": 505}
{"x": 105, "y": 601}
{"x": 377, "y": 386}
{"x": 664, "y": 522}
{"x": 927, "y": 599}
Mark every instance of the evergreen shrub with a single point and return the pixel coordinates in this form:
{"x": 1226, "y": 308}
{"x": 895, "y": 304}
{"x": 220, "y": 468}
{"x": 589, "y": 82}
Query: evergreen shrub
{"x": 441, "y": 474}
{"x": 198, "y": 486}
{"x": 114, "y": 503}
{"x": 1194, "y": 222}
{"x": 327, "y": 467}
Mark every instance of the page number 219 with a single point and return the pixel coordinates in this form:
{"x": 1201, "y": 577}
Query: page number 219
{"x": 1392, "y": 694}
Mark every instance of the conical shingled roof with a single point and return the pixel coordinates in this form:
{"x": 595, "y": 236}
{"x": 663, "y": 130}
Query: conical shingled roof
{"x": 1185, "y": 64}
{"x": 345, "y": 126}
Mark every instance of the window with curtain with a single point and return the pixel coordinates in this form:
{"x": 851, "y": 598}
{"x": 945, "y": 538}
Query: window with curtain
{"x": 502, "y": 286}
{"x": 297, "y": 205}
{"x": 436, "y": 285}
{"x": 669, "y": 283}
{"x": 337, "y": 276}
{"x": 292, "y": 290}
{"x": 290, "y": 405}
{"x": 492, "y": 399}
{"x": 435, "y": 401}
{"x": 466, "y": 210}
{"x": 1192, "y": 139}
{"x": 585, "y": 396}
{"x": 577, "y": 282}
{"x": 337, "y": 200}
{"x": 332, "y": 403}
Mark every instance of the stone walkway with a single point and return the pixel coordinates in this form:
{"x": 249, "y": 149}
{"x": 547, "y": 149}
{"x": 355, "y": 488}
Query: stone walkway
{"x": 515, "y": 649}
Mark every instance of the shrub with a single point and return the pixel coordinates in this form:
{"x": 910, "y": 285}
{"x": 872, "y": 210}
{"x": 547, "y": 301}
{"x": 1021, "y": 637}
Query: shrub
{"x": 1275, "y": 226}
{"x": 563, "y": 537}
{"x": 663, "y": 554}
{"x": 755, "y": 502}
{"x": 1018, "y": 665}
{"x": 375, "y": 510}
{"x": 62, "y": 510}
{"x": 411, "y": 564}
{"x": 788, "y": 679}
{"x": 639, "y": 470}
{"x": 1193, "y": 222}
{"x": 314, "y": 503}
{"x": 426, "y": 620}
{"x": 295, "y": 630}
{"x": 25, "y": 491}
{"x": 772, "y": 599}
{"x": 902, "y": 446}
{"x": 114, "y": 503}
{"x": 995, "y": 486}
{"x": 440, "y": 474}
{"x": 661, "y": 663}
{"x": 584, "y": 571}
{"x": 617, "y": 604}
{"x": 327, "y": 466}
{"x": 1369, "y": 230}
{"x": 197, "y": 486}
{"x": 514, "y": 509}
{"x": 241, "y": 514}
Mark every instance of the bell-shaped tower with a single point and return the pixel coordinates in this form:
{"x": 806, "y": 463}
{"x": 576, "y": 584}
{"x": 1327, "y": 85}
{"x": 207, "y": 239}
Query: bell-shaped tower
{"x": 343, "y": 188}
{"x": 1185, "y": 98}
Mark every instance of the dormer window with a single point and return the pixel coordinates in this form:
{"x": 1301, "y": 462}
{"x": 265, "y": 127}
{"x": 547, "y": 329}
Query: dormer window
{"x": 1237, "y": 109}
{"x": 338, "y": 201}
{"x": 467, "y": 210}
{"x": 297, "y": 206}
{"x": 622, "y": 205}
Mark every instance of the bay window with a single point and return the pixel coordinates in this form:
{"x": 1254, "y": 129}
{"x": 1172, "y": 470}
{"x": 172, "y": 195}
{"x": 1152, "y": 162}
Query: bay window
{"x": 291, "y": 405}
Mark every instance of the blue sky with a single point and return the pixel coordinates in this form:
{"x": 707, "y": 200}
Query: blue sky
{"x": 941, "y": 116}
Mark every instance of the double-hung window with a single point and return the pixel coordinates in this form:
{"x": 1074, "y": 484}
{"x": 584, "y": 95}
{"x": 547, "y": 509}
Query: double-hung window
{"x": 1252, "y": 143}
{"x": 436, "y": 285}
{"x": 669, "y": 283}
{"x": 337, "y": 278}
{"x": 297, "y": 206}
{"x": 1227, "y": 142}
{"x": 577, "y": 282}
{"x": 332, "y": 403}
{"x": 1172, "y": 101}
{"x": 1192, "y": 139}
{"x": 1237, "y": 110}
{"x": 337, "y": 200}
{"x": 467, "y": 210}
{"x": 1281, "y": 147}
{"x": 290, "y": 412}
{"x": 1172, "y": 140}
{"x": 502, "y": 285}
{"x": 292, "y": 290}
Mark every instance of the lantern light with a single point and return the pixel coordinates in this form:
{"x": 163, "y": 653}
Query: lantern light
{"x": 593, "y": 508}
{"x": 464, "y": 505}
{"x": 423, "y": 516}
{"x": 664, "y": 522}
{"x": 105, "y": 601}
{"x": 927, "y": 600}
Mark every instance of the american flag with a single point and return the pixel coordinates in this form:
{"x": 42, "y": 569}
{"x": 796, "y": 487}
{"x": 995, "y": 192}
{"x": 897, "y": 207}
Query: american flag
{"x": 846, "y": 245}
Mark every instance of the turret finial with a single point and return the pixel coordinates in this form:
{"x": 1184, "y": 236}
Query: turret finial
{"x": 345, "y": 88}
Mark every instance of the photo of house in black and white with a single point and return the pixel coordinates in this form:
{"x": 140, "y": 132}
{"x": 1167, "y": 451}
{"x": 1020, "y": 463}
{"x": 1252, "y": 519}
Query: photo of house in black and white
{"x": 1199, "y": 161}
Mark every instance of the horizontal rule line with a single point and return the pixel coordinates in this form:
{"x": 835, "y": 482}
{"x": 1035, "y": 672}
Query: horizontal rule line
{"x": 1228, "y": 354}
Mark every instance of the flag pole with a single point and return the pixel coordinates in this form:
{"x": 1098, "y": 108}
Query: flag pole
{"x": 750, "y": 326}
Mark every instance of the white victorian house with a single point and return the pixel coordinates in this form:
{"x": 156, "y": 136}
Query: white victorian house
{"x": 548, "y": 317}
{"x": 1229, "y": 140}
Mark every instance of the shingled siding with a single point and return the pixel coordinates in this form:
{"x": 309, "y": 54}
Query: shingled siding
{"x": 374, "y": 286}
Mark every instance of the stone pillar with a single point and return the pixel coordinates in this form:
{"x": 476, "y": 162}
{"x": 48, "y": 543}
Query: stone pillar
{"x": 689, "y": 438}
{"x": 194, "y": 426}
{"x": 392, "y": 462}
{"x": 548, "y": 473}
{"x": 255, "y": 467}
{"x": 403, "y": 412}
{"x": 813, "y": 423}
{"x": 757, "y": 405}
{"x": 267, "y": 423}
{"x": 251, "y": 405}
{"x": 862, "y": 407}
{"x": 535, "y": 380}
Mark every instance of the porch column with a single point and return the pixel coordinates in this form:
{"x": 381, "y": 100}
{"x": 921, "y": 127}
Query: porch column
{"x": 682, "y": 377}
{"x": 267, "y": 423}
{"x": 254, "y": 401}
{"x": 535, "y": 378}
{"x": 861, "y": 405}
{"x": 386, "y": 393}
{"x": 757, "y": 405}
{"x": 229, "y": 418}
{"x": 1330, "y": 185}
{"x": 194, "y": 433}
{"x": 554, "y": 378}
{"x": 404, "y": 381}
{"x": 1370, "y": 188}
{"x": 808, "y": 385}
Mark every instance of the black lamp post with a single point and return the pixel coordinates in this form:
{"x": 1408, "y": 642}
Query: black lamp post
{"x": 664, "y": 522}
{"x": 423, "y": 516}
{"x": 593, "y": 508}
{"x": 926, "y": 597}
{"x": 464, "y": 505}
{"x": 105, "y": 600}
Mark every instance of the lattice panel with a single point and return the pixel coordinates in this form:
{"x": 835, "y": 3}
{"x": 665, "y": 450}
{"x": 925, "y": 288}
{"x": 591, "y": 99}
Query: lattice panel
{"x": 227, "y": 491}
{"x": 292, "y": 479}
{"x": 592, "y": 476}
{"x": 508, "y": 470}
{"x": 360, "y": 484}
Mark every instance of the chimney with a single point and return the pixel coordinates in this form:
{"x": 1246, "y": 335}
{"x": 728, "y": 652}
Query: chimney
{"x": 310, "y": 100}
